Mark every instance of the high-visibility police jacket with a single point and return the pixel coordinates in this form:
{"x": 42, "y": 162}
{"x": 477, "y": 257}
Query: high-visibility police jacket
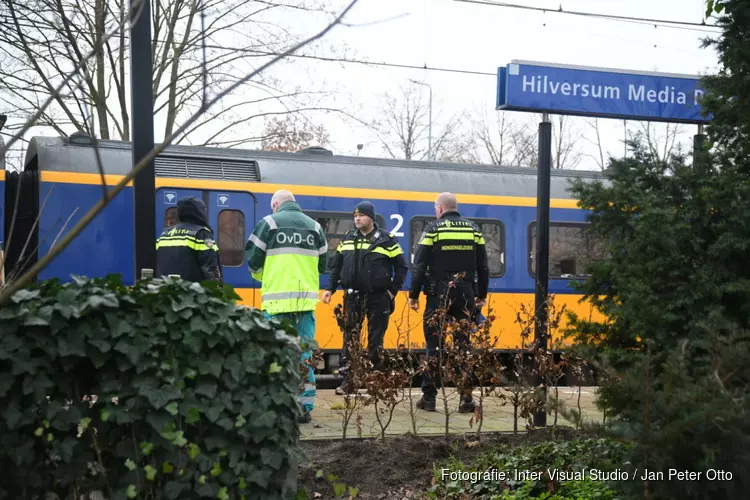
{"x": 188, "y": 248}
{"x": 372, "y": 263}
{"x": 287, "y": 253}
{"x": 449, "y": 246}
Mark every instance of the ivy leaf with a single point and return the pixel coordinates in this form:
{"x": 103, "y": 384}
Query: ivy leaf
{"x": 12, "y": 416}
{"x": 160, "y": 397}
{"x": 103, "y": 345}
{"x": 214, "y": 364}
{"x": 339, "y": 489}
{"x": 173, "y": 408}
{"x": 193, "y": 416}
{"x": 234, "y": 366}
{"x": 146, "y": 448}
{"x": 150, "y": 472}
{"x": 99, "y": 301}
{"x": 133, "y": 348}
{"x": 24, "y": 295}
{"x": 174, "y": 489}
{"x": 35, "y": 321}
{"x": 275, "y": 368}
{"x": 206, "y": 388}
{"x": 199, "y": 324}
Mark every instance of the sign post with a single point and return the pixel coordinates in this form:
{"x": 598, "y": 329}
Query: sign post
{"x": 593, "y": 92}
{"x": 142, "y": 117}
{"x": 541, "y": 270}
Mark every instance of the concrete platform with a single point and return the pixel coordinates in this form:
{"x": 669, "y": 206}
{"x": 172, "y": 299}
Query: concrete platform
{"x": 328, "y": 416}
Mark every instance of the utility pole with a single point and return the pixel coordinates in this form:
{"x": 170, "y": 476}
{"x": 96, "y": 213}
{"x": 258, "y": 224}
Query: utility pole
{"x": 430, "y": 155}
{"x": 142, "y": 119}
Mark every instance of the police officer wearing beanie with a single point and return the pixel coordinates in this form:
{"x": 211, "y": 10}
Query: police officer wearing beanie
{"x": 370, "y": 266}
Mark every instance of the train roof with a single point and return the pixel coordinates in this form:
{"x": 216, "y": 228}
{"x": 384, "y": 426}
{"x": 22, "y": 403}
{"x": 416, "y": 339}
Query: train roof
{"x": 315, "y": 166}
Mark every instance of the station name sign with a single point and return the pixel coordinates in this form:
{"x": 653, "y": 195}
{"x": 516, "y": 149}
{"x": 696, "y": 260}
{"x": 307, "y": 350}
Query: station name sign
{"x": 599, "y": 92}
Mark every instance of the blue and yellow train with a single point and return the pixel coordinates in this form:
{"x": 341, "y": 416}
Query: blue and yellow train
{"x": 60, "y": 181}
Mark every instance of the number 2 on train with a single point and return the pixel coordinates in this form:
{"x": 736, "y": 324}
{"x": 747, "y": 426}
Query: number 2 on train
{"x": 399, "y": 222}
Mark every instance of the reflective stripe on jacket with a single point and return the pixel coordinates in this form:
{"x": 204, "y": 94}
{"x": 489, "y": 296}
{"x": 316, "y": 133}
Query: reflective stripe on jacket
{"x": 287, "y": 253}
{"x": 188, "y": 249}
{"x": 372, "y": 263}
{"x": 450, "y": 245}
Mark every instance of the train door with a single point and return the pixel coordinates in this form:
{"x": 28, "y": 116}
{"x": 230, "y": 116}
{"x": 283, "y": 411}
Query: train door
{"x": 232, "y": 217}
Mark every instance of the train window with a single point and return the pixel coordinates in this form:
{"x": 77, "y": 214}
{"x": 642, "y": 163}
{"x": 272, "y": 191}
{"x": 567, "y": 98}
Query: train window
{"x": 336, "y": 225}
{"x": 494, "y": 240}
{"x": 231, "y": 238}
{"x": 494, "y": 237}
{"x": 170, "y": 217}
{"x": 571, "y": 248}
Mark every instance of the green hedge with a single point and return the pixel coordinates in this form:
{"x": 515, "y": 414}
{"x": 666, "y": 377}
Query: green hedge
{"x": 575, "y": 455}
{"x": 205, "y": 394}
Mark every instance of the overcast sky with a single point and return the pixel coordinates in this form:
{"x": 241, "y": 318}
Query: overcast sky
{"x": 465, "y": 36}
{"x": 454, "y": 35}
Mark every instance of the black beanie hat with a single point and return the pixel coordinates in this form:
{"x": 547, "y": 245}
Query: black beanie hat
{"x": 365, "y": 208}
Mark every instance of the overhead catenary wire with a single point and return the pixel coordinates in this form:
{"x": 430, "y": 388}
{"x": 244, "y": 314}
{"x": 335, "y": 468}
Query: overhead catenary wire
{"x": 612, "y": 17}
{"x": 344, "y": 60}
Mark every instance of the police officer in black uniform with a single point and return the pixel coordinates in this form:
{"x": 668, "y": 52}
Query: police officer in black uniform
{"x": 449, "y": 246}
{"x": 188, "y": 248}
{"x": 370, "y": 266}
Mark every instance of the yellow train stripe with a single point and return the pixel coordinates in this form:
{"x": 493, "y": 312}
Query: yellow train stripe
{"x": 256, "y": 187}
{"x": 406, "y": 326}
{"x": 77, "y": 178}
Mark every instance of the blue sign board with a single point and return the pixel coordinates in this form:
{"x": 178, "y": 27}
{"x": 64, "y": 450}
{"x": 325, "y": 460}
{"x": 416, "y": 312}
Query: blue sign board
{"x": 609, "y": 93}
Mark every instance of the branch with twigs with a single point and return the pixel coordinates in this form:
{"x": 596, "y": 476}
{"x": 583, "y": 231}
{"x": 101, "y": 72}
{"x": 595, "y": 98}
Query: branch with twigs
{"x": 56, "y": 92}
{"x": 103, "y": 202}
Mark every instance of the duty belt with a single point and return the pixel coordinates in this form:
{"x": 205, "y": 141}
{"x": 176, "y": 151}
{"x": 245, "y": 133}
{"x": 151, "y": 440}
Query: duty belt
{"x": 352, "y": 291}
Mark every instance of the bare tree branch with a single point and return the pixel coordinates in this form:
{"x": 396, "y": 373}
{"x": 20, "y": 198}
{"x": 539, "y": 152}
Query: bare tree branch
{"x": 403, "y": 128}
{"x": 597, "y": 142}
{"x": 55, "y": 93}
{"x": 290, "y": 133}
{"x": 662, "y": 146}
{"x": 49, "y": 36}
{"x": 18, "y": 284}
{"x": 565, "y": 153}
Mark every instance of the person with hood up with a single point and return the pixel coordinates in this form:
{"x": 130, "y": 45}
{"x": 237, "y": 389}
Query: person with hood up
{"x": 188, "y": 249}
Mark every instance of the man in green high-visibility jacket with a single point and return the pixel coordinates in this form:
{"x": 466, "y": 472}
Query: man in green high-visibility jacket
{"x": 287, "y": 253}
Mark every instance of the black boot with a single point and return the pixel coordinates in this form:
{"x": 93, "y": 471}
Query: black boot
{"x": 467, "y": 405}
{"x": 304, "y": 419}
{"x": 342, "y": 389}
{"x": 426, "y": 404}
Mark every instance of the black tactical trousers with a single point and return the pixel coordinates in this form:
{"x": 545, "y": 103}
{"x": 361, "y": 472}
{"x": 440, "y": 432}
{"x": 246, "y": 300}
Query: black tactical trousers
{"x": 460, "y": 305}
{"x": 377, "y": 308}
